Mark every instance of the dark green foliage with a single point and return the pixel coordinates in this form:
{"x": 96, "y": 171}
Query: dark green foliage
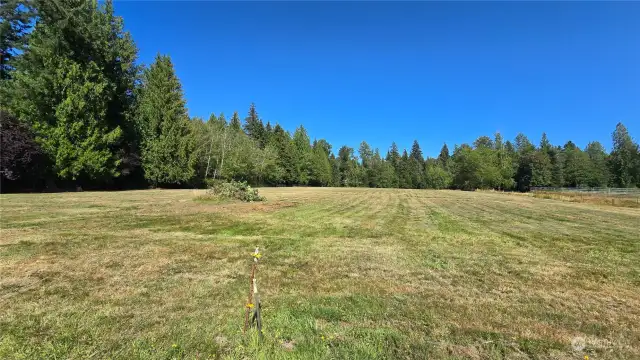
{"x": 302, "y": 155}
{"x": 320, "y": 167}
{"x": 350, "y": 171}
{"x": 598, "y": 174}
{"x": 404, "y": 171}
{"x": 467, "y": 164}
{"x": 167, "y": 143}
{"x": 15, "y": 15}
{"x": 73, "y": 86}
{"x": 444, "y": 156}
{"x": 281, "y": 142}
{"x": 92, "y": 116}
{"x": 623, "y": 161}
{"x": 436, "y": 175}
{"x": 393, "y": 156}
{"x": 21, "y": 157}
{"x": 254, "y": 127}
{"x": 234, "y": 123}
{"x": 416, "y": 167}
{"x": 576, "y": 166}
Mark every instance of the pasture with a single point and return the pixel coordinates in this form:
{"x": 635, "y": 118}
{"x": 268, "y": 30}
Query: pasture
{"x": 346, "y": 274}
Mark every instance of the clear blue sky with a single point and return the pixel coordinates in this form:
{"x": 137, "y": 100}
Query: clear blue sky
{"x": 383, "y": 72}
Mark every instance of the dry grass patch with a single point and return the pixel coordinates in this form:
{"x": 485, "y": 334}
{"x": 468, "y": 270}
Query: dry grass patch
{"x": 346, "y": 273}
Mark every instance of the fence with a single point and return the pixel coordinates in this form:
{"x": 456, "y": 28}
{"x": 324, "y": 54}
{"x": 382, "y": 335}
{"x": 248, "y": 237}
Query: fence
{"x": 588, "y": 190}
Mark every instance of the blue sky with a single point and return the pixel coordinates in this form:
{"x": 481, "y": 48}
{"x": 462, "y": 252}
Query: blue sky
{"x": 383, "y": 72}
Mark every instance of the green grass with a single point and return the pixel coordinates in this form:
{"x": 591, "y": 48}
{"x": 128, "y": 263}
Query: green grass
{"x": 346, "y": 274}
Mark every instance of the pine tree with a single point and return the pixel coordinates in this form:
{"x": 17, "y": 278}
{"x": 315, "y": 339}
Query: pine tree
{"x": 523, "y": 145}
{"x": 393, "y": 156}
{"x": 416, "y": 152}
{"x": 14, "y": 27}
{"x": 541, "y": 165}
{"x": 444, "y": 156}
{"x": 167, "y": 144}
{"x": 234, "y": 123}
{"x": 302, "y": 155}
{"x": 404, "y": 171}
{"x": 524, "y": 164}
{"x": 73, "y": 84}
{"x": 545, "y": 145}
{"x": 281, "y": 141}
{"x": 253, "y": 126}
{"x": 268, "y": 132}
{"x": 416, "y": 167}
{"x": 624, "y": 156}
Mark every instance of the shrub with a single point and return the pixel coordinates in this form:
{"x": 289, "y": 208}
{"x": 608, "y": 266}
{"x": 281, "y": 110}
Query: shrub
{"x": 239, "y": 190}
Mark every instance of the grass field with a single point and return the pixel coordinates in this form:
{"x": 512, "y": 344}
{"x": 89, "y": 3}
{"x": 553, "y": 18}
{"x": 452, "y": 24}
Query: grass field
{"x": 626, "y": 200}
{"x": 346, "y": 274}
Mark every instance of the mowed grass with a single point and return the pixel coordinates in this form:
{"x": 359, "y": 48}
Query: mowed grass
{"x": 346, "y": 274}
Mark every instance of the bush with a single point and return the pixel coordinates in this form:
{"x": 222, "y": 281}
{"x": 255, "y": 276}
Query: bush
{"x": 239, "y": 190}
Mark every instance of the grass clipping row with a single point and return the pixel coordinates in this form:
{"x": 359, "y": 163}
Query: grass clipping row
{"x": 233, "y": 190}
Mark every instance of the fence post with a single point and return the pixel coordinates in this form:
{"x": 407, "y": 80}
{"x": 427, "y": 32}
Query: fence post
{"x": 253, "y": 302}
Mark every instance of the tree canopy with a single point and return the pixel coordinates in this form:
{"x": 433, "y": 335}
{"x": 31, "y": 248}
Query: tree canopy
{"x": 78, "y": 109}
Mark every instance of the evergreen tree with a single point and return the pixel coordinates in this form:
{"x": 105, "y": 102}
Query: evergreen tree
{"x": 320, "y": 174}
{"x": 350, "y": 174}
{"x": 167, "y": 144}
{"x": 404, "y": 171}
{"x": 624, "y": 157}
{"x": 545, "y": 145}
{"x": 268, "y": 132}
{"x": 14, "y": 27}
{"x": 416, "y": 152}
{"x": 483, "y": 142}
{"x": 253, "y": 126}
{"x": 234, "y": 123}
{"x": 73, "y": 84}
{"x": 557, "y": 166}
{"x": 393, "y": 156}
{"x": 540, "y": 162}
{"x": 541, "y": 168}
{"x": 326, "y": 147}
{"x": 524, "y": 164}
{"x": 416, "y": 166}
{"x": 598, "y": 173}
{"x": 302, "y": 155}
{"x": 281, "y": 141}
{"x": 523, "y": 145}
{"x": 444, "y": 156}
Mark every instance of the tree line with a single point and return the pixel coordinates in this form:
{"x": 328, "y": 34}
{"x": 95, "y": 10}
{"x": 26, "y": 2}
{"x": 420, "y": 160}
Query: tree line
{"x": 78, "y": 110}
